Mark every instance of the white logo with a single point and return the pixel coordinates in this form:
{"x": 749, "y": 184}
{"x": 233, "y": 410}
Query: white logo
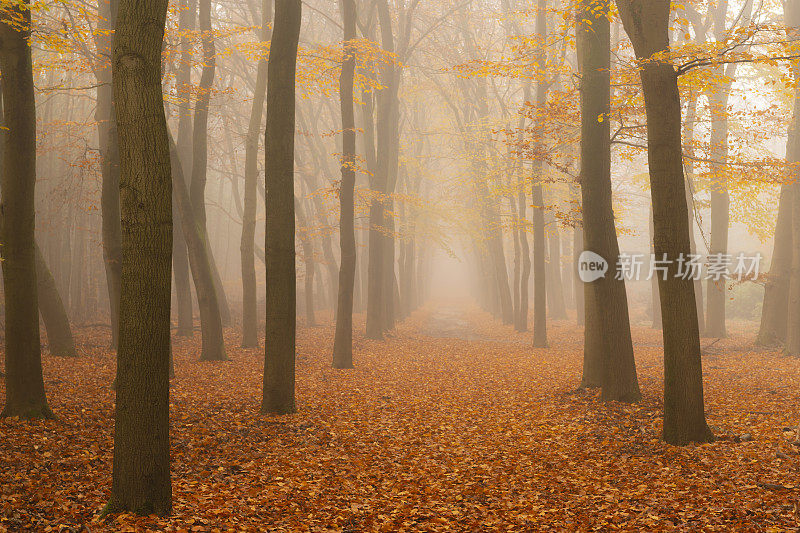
{"x": 591, "y": 267}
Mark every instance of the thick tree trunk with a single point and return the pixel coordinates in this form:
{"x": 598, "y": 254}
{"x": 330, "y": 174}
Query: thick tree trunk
{"x": 249, "y": 286}
{"x": 607, "y": 334}
{"x": 197, "y": 187}
{"x": 180, "y": 255}
{"x": 279, "y": 245}
{"x": 141, "y": 474}
{"x": 647, "y": 26}
{"x": 655, "y": 299}
{"x": 109, "y": 155}
{"x": 343, "y": 341}
{"x": 51, "y": 307}
{"x": 25, "y": 394}
{"x": 213, "y": 341}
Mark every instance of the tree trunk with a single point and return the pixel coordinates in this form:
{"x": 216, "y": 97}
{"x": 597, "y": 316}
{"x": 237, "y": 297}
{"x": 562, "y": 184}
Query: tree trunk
{"x": 555, "y": 291}
{"x": 792, "y": 18}
{"x": 141, "y": 473}
{"x": 25, "y": 394}
{"x": 197, "y": 187}
{"x": 776, "y": 289}
{"x": 109, "y": 156}
{"x": 647, "y": 25}
{"x": 607, "y": 334}
{"x": 249, "y": 286}
{"x": 51, "y": 307}
{"x": 279, "y": 245}
{"x": 717, "y": 291}
{"x": 343, "y": 341}
{"x": 213, "y": 341}
{"x": 180, "y": 254}
{"x": 308, "y": 262}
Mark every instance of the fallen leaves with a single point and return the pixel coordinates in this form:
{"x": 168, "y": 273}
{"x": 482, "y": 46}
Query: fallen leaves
{"x": 455, "y": 423}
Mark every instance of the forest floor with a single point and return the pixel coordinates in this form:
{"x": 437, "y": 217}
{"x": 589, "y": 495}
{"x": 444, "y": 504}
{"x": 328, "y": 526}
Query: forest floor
{"x": 453, "y": 424}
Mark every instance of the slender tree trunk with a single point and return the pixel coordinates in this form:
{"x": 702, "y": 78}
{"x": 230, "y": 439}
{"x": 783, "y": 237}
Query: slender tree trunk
{"x": 539, "y": 243}
{"x": 25, "y": 394}
{"x": 141, "y": 474}
{"x": 717, "y": 291}
{"x": 109, "y": 155}
{"x": 213, "y": 341}
{"x": 555, "y": 292}
{"x": 343, "y": 341}
{"x": 647, "y": 25}
{"x": 279, "y": 245}
{"x": 792, "y": 18}
{"x": 197, "y": 187}
{"x": 180, "y": 255}
{"x": 688, "y": 128}
{"x": 249, "y": 286}
{"x": 776, "y": 290}
{"x": 51, "y": 307}
{"x": 607, "y": 334}
{"x": 308, "y": 262}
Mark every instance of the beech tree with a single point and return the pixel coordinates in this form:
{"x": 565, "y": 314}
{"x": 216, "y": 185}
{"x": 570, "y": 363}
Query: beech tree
{"x": 25, "y": 394}
{"x": 647, "y": 26}
{"x": 141, "y": 474}
{"x": 279, "y": 248}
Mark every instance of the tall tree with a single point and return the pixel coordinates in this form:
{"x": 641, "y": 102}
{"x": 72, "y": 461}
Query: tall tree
{"x": 183, "y": 80}
{"x": 249, "y": 292}
{"x": 109, "y": 154}
{"x": 141, "y": 476}
{"x": 647, "y": 25}
{"x": 197, "y": 187}
{"x": 25, "y": 394}
{"x": 608, "y": 349}
{"x": 343, "y": 341}
{"x": 51, "y": 307}
{"x": 279, "y": 247}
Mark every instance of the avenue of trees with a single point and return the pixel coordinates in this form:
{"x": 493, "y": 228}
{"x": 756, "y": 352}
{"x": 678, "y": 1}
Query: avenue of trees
{"x": 269, "y": 163}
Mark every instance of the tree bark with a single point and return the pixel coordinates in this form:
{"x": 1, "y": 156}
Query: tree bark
{"x": 25, "y": 394}
{"x": 141, "y": 473}
{"x": 279, "y": 245}
{"x": 776, "y": 289}
{"x": 249, "y": 286}
{"x": 647, "y": 25}
{"x": 343, "y": 340}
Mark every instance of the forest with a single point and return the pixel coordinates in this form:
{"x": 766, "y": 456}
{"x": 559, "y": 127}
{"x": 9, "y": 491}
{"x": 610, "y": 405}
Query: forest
{"x": 399, "y": 265}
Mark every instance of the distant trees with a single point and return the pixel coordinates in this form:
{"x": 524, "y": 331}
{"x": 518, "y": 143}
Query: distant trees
{"x": 279, "y": 248}
{"x": 647, "y": 25}
{"x": 141, "y": 474}
{"x": 25, "y": 394}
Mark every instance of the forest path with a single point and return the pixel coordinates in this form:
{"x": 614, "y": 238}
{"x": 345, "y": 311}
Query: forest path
{"x": 450, "y": 322}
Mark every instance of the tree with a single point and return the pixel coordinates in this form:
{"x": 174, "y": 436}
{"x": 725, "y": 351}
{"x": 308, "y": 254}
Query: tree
{"x": 51, "y": 307}
{"x": 197, "y": 187}
{"x": 249, "y": 294}
{"x": 25, "y": 394}
{"x": 213, "y": 344}
{"x": 343, "y": 341}
{"x": 647, "y": 25}
{"x": 141, "y": 475}
{"x": 109, "y": 153}
{"x": 608, "y": 349}
{"x": 279, "y": 247}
